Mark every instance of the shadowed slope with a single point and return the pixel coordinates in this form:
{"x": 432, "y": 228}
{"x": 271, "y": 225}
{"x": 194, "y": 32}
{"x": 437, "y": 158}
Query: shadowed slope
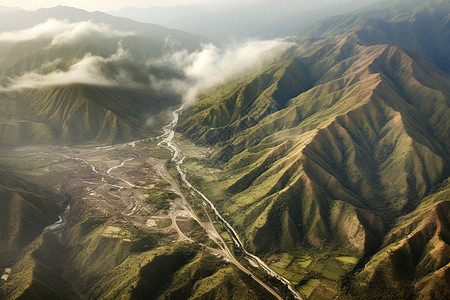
{"x": 414, "y": 24}
{"x": 414, "y": 256}
{"x": 24, "y": 212}
{"x": 359, "y": 143}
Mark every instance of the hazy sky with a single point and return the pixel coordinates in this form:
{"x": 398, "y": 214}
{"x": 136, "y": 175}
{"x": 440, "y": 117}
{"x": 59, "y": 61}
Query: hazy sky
{"x": 110, "y": 5}
{"x": 105, "y": 5}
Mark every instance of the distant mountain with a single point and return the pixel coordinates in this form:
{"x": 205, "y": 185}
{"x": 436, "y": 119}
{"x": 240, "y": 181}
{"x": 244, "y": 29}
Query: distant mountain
{"x": 423, "y": 29}
{"x": 341, "y": 147}
{"x": 160, "y": 15}
{"x": 23, "y": 20}
{"x": 266, "y": 20}
{"x": 81, "y": 77}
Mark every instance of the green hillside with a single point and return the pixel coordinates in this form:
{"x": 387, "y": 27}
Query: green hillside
{"x": 347, "y": 135}
{"x": 24, "y": 212}
{"x": 94, "y": 90}
{"x": 328, "y": 147}
{"x": 331, "y": 162}
{"x": 413, "y": 259}
{"x": 86, "y": 263}
{"x": 77, "y": 114}
{"x": 38, "y": 273}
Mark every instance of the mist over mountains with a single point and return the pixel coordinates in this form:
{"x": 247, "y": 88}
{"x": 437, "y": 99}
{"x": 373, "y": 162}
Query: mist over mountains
{"x": 71, "y": 60}
{"x": 320, "y": 134}
{"x": 81, "y": 51}
{"x": 263, "y": 20}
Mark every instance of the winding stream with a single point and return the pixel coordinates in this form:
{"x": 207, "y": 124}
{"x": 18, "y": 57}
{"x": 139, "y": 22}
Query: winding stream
{"x": 108, "y": 172}
{"x": 61, "y": 222}
{"x": 177, "y": 158}
{"x": 119, "y": 166}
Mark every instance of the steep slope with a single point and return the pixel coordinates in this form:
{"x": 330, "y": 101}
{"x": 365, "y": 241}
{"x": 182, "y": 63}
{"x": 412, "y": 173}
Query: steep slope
{"x": 414, "y": 24}
{"x": 25, "y": 211}
{"x": 413, "y": 259}
{"x": 77, "y": 114}
{"x": 83, "y": 77}
{"x": 358, "y": 138}
{"x": 341, "y": 138}
{"x": 38, "y": 274}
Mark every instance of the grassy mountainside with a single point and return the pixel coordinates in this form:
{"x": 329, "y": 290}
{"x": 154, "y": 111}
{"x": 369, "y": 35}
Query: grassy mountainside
{"x": 24, "y": 213}
{"x": 77, "y": 114}
{"x": 340, "y": 140}
{"x": 86, "y": 263}
{"x": 327, "y": 147}
{"x": 38, "y": 274}
{"x": 95, "y": 87}
{"x": 413, "y": 260}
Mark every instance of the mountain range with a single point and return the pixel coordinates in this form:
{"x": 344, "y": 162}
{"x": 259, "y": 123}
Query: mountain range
{"x": 82, "y": 84}
{"x": 342, "y": 144}
{"x": 330, "y": 160}
{"x": 263, "y": 20}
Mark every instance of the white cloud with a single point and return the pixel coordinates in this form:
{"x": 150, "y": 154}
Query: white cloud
{"x": 61, "y": 32}
{"x": 50, "y": 64}
{"x": 86, "y": 71}
{"x": 200, "y": 70}
{"x": 48, "y": 29}
{"x": 81, "y": 30}
{"x": 210, "y": 66}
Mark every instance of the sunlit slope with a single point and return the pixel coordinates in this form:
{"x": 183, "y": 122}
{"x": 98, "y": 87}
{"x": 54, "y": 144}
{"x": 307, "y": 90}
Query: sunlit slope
{"x": 338, "y": 161}
{"x": 78, "y": 114}
{"x": 341, "y": 141}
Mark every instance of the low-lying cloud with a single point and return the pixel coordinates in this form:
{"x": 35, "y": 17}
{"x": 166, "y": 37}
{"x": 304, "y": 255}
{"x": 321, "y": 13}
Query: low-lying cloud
{"x": 211, "y": 66}
{"x": 85, "y": 71}
{"x": 186, "y": 73}
{"x": 62, "y": 31}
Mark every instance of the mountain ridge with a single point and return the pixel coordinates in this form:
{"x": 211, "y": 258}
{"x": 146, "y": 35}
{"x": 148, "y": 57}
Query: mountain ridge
{"x": 331, "y": 162}
{"x": 361, "y": 143}
{"x": 90, "y": 88}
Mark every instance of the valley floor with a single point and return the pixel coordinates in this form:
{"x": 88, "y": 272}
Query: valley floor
{"x": 130, "y": 188}
{"x": 129, "y": 214}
